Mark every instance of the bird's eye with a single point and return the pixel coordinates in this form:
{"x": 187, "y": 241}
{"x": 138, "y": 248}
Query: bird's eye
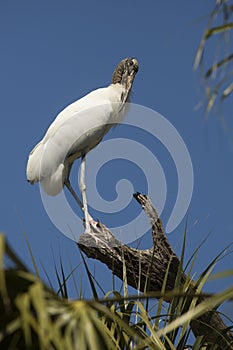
{"x": 131, "y": 63}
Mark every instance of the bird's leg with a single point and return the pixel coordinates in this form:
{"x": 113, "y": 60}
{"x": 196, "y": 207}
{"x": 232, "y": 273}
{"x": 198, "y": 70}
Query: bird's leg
{"x": 72, "y": 191}
{"x": 84, "y": 195}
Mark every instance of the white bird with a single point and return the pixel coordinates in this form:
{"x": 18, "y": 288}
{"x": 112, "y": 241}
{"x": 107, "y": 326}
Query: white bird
{"x": 76, "y": 130}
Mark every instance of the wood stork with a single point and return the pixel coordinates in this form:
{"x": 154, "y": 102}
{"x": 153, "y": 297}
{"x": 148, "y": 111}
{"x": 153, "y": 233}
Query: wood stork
{"x": 76, "y": 130}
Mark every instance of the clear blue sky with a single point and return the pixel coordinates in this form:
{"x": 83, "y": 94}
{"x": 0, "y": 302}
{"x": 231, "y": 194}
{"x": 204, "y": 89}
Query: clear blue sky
{"x": 52, "y": 53}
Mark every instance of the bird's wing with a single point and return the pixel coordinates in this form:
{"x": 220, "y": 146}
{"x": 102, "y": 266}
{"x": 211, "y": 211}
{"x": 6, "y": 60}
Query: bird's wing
{"x": 76, "y": 135}
{"x": 76, "y": 130}
{"x": 95, "y": 98}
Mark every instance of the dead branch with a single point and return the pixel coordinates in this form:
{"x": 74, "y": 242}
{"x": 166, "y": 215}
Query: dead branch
{"x": 102, "y": 245}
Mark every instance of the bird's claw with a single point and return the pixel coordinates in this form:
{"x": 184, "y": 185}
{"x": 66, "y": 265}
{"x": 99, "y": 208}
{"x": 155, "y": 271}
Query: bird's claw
{"x": 92, "y": 224}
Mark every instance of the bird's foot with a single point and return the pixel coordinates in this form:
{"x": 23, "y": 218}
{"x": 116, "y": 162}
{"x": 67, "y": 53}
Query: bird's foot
{"x": 93, "y": 228}
{"x": 91, "y": 224}
{"x": 94, "y": 224}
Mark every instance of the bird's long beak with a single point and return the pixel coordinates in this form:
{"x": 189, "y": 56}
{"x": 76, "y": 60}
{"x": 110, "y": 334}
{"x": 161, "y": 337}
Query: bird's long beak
{"x": 132, "y": 74}
{"x": 128, "y": 85}
{"x": 130, "y": 80}
{"x": 125, "y": 74}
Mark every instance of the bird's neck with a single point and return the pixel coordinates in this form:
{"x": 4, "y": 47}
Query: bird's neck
{"x": 122, "y": 90}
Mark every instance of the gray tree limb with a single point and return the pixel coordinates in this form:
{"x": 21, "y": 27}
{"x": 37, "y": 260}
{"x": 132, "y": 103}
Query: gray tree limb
{"x": 102, "y": 245}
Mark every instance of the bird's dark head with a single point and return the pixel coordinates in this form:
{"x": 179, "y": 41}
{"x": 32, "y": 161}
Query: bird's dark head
{"x": 125, "y": 72}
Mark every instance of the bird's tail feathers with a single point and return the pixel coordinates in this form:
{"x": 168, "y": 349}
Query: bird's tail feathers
{"x": 33, "y": 165}
{"x": 53, "y": 184}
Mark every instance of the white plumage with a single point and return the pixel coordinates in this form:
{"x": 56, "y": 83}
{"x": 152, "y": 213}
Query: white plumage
{"x": 79, "y": 128}
{"x": 72, "y": 132}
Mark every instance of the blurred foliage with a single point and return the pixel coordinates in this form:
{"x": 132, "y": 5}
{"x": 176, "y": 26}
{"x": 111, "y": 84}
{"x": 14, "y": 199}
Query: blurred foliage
{"x": 34, "y": 316}
{"x": 217, "y": 45}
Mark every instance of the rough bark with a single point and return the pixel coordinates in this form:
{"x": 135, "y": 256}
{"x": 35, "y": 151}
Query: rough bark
{"x": 102, "y": 245}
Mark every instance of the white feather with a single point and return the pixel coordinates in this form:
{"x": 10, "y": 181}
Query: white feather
{"x": 76, "y": 130}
